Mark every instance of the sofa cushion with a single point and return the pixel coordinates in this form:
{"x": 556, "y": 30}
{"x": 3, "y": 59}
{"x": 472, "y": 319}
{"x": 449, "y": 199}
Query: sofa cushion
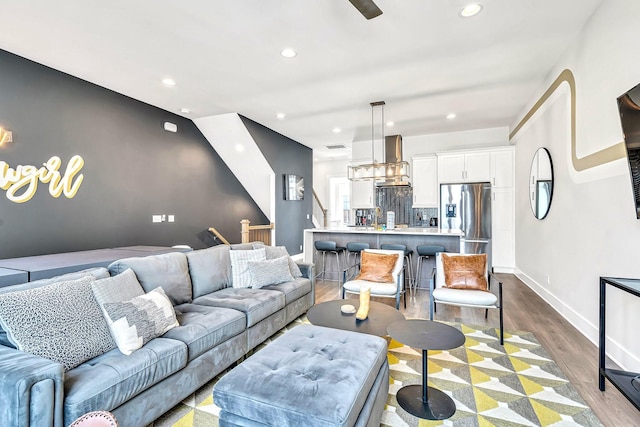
{"x": 256, "y": 304}
{"x": 240, "y": 265}
{"x": 247, "y": 246}
{"x": 273, "y": 252}
{"x": 60, "y": 322}
{"x": 269, "y": 272}
{"x": 135, "y": 322}
{"x": 109, "y": 380}
{"x": 202, "y": 327}
{"x": 292, "y": 290}
{"x": 210, "y": 269}
{"x": 170, "y": 271}
{"x": 97, "y": 273}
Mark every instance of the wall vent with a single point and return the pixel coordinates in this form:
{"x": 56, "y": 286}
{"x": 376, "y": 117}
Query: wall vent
{"x": 335, "y": 147}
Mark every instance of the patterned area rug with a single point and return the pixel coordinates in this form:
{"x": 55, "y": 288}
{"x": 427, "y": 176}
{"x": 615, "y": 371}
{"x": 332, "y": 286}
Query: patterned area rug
{"x": 491, "y": 385}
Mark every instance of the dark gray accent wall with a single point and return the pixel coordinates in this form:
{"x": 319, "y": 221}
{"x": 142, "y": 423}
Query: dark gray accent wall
{"x": 133, "y": 169}
{"x": 286, "y": 156}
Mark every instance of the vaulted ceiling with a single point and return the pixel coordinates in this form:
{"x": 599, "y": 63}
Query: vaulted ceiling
{"x": 419, "y": 56}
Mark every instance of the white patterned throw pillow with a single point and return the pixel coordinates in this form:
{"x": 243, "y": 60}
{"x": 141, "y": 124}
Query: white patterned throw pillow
{"x": 135, "y": 322}
{"x": 61, "y": 322}
{"x": 269, "y": 272}
{"x": 240, "y": 265}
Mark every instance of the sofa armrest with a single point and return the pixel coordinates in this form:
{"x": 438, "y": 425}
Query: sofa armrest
{"x": 307, "y": 269}
{"x": 31, "y": 390}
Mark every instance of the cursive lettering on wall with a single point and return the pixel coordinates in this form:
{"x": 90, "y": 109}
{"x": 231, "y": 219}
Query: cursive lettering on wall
{"x": 21, "y": 183}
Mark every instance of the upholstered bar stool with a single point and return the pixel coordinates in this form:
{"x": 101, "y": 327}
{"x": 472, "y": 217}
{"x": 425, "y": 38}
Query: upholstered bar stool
{"x": 328, "y": 246}
{"x": 425, "y": 252}
{"x": 354, "y": 249}
{"x": 408, "y": 258}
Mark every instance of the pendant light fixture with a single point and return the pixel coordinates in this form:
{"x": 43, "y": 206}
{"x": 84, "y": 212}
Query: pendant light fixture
{"x": 381, "y": 172}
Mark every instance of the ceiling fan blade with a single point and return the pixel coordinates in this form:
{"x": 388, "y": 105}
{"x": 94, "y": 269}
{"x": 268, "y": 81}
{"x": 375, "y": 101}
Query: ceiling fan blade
{"x": 367, "y": 8}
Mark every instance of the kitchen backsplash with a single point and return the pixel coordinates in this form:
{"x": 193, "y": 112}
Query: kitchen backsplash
{"x": 399, "y": 200}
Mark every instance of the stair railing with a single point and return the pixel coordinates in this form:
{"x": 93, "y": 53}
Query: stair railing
{"x": 318, "y": 206}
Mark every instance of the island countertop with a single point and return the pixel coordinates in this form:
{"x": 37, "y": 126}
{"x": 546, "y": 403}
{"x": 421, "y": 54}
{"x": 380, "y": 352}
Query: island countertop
{"x": 410, "y": 237}
{"x": 433, "y": 231}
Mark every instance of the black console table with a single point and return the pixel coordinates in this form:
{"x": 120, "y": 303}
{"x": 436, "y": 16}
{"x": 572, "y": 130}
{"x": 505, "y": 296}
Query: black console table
{"x": 621, "y": 379}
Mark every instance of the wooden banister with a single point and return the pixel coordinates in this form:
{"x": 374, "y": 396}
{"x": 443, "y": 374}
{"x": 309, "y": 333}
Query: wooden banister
{"x": 324, "y": 211}
{"x": 251, "y": 233}
{"x": 219, "y": 236}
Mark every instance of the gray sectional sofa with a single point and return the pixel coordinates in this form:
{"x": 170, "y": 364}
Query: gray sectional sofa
{"x": 218, "y": 325}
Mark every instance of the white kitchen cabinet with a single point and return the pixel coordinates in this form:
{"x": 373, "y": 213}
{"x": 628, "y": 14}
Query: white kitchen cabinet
{"x": 425, "y": 182}
{"x": 503, "y": 229}
{"x": 502, "y": 167}
{"x": 471, "y": 166}
{"x": 362, "y": 194}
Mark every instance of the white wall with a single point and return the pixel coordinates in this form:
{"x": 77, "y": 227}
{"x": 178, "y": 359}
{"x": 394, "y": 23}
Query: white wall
{"x": 591, "y": 229}
{"x": 322, "y": 171}
{"x": 429, "y": 144}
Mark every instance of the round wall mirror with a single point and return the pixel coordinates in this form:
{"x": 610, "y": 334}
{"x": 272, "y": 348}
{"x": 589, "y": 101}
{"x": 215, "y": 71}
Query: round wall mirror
{"x": 541, "y": 183}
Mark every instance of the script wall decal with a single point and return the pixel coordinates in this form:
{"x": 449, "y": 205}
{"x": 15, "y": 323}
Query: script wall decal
{"x": 21, "y": 183}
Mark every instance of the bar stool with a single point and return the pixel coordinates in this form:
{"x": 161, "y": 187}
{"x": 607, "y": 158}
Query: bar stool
{"x": 425, "y": 252}
{"x": 328, "y": 246}
{"x": 354, "y": 248}
{"x": 408, "y": 258}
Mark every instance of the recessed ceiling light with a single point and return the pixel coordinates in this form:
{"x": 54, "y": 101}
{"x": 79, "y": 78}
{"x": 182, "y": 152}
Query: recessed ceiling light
{"x": 288, "y": 53}
{"x": 185, "y": 110}
{"x": 389, "y": 124}
{"x": 471, "y": 10}
{"x": 239, "y": 148}
{"x": 451, "y": 116}
{"x": 168, "y": 82}
{"x": 337, "y": 130}
{"x": 281, "y": 116}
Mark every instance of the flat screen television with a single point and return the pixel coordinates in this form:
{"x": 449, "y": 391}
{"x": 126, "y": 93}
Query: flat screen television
{"x": 629, "y": 108}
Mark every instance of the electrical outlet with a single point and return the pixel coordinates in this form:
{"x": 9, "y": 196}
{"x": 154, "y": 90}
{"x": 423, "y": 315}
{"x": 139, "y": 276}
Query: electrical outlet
{"x": 308, "y": 216}
{"x": 300, "y": 247}
{"x": 156, "y": 218}
{"x": 172, "y": 218}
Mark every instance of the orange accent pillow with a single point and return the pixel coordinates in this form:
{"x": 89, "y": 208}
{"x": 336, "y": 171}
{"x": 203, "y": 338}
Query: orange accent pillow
{"x": 377, "y": 267}
{"x": 465, "y": 271}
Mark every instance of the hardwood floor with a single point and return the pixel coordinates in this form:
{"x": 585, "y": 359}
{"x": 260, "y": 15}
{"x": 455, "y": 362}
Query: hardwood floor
{"x": 524, "y": 310}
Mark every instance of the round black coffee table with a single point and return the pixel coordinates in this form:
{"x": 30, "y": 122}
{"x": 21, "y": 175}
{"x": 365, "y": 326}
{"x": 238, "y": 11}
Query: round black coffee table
{"x": 423, "y": 401}
{"x": 380, "y": 316}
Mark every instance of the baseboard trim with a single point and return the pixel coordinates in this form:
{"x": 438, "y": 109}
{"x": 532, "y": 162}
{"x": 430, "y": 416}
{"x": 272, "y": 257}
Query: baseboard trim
{"x": 614, "y": 350}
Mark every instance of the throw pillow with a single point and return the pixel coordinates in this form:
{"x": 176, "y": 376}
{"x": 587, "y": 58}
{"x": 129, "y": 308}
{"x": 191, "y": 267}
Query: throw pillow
{"x": 135, "y": 322}
{"x": 61, "y": 322}
{"x": 376, "y": 267}
{"x": 269, "y": 272}
{"x": 118, "y": 288}
{"x": 240, "y": 265}
{"x": 465, "y": 271}
{"x": 273, "y": 252}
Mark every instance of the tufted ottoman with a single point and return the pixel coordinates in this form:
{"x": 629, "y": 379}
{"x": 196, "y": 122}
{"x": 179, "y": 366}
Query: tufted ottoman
{"x": 310, "y": 376}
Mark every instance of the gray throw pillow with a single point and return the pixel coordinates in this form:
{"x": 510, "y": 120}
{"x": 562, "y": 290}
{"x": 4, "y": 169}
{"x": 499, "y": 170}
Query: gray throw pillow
{"x": 269, "y": 272}
{"x": 135, "y": 322}
{"x": 274, "y": 252}
{"x": 95, "y": 272}
{"x": 61, "y": 322}
{"x": 170, "y": 271}
{"x": 240, "y": 268}
{"x": 210, "y": 269}
{"x": 118, "y": 288}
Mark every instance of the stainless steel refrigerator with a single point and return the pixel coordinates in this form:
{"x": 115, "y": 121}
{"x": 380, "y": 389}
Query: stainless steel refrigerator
{"x": 467, "y": 207}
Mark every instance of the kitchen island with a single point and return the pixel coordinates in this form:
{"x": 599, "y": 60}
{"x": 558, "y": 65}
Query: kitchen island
{"x": 411, "y": 237}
